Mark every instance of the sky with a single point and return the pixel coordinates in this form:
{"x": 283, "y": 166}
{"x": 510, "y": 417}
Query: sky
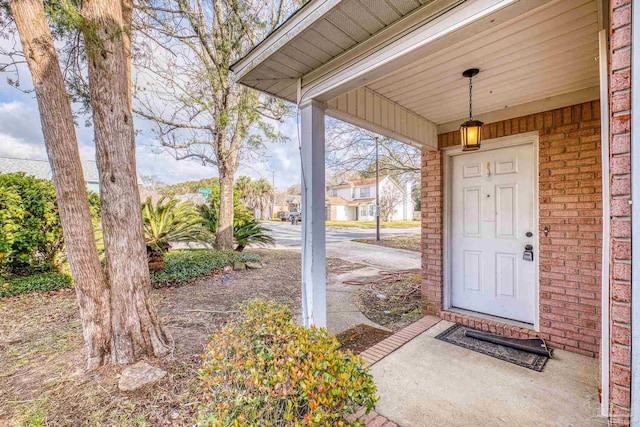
{"x": 21, "y": 137}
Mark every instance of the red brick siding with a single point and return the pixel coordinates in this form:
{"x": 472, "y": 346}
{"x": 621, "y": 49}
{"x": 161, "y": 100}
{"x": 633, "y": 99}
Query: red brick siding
{"x": 620, "y": 179}
{"x": 570, "y": 197}
{"x": 431, "y": 218}
{"x": 488, "y": 325}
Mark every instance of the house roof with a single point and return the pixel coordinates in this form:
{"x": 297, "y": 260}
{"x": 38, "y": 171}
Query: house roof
{"x": 318, "y": 32}
{"x": 42, "y": 169}
{"x": 366, "y": 200}
{"x": 339, "y": 201}
{"x": 357, "y": 183}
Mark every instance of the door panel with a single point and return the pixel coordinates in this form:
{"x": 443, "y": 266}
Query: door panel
{"x": 492, "y": 205}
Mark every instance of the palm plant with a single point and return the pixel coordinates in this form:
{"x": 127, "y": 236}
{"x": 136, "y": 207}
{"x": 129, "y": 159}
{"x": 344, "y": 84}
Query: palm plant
{"x": 251, "y": 232}
{"x": 262, "y": 192}
{"x": 171, "y": 221}
{"x": 246, "y": 229}
{"x": 243, "y": 187}
{"x": 255, "y": 194}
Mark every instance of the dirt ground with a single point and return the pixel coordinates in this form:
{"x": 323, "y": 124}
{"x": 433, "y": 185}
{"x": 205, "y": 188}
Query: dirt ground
{"x": 42, "y": 381}
{"x": 361, "y": 337}
{"x": 392, "y": 299}
{"x": 410, "y": 242}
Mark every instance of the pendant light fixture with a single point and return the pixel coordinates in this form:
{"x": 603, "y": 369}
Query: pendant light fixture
{"x": 471, "y": 130}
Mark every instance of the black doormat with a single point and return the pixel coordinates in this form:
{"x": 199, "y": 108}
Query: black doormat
{"x": 455, "y": 335}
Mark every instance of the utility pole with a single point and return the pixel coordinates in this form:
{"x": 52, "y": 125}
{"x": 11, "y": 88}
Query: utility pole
{"x": 273, "y": 190}
{"x": 377, "y": 195}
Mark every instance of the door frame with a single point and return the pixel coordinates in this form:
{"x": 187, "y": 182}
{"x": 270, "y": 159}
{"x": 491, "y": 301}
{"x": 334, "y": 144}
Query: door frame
{"x": 488, "y": 145}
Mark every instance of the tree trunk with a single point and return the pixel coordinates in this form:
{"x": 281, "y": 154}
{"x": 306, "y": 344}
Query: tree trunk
{"x": 224, "y": 236}
{"x": 56, "y": 117}
{"x": 136, "y": 330}
{"x": 127, "y": 21}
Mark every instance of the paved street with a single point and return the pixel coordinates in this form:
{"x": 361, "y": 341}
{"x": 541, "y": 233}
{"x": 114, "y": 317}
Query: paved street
{"x": 340, "y": 245}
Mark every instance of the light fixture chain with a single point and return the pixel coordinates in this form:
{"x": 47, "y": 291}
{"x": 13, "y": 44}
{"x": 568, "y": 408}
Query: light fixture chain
{"x": 470, "y": 97}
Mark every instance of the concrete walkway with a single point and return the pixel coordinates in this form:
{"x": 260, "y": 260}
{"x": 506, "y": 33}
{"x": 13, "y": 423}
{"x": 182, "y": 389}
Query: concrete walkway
{"x": 342, "y": 311}
{"x": 428, "y": 382}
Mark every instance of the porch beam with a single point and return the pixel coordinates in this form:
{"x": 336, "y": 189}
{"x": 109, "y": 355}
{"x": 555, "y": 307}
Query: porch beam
{"x": 368, "y": 109}
{"x": 314, "y": 299}
{"x": 440, "y": 29}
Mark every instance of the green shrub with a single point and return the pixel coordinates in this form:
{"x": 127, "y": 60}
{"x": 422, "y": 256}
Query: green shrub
{"x": 171, "y": 221}
{"x": 209, "y": 213}
{"x": 37, "y": 282}
{"x": 251, "y": 232}
{"x": 183, "y": 266}
{"x": 262, "y": 369}
{"x": 246, "y": 229}
{"x": 30, "y": 229}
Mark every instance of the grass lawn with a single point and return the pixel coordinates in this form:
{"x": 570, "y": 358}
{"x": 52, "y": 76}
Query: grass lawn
{"x": 409, "y": 242}
{"x": 372, "y": 224}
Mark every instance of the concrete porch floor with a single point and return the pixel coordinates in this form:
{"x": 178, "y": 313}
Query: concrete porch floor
{"x": 428, "y": 382}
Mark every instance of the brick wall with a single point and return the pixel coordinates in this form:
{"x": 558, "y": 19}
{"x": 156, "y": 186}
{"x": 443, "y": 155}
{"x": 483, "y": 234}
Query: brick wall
{"x": 620, "y": 168}
{"x": 570, "y": 183}
{"x": 431, "y": 219}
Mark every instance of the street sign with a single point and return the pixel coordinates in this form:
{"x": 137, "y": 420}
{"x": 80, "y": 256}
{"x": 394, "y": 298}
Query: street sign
{"x": 206, "y": 192}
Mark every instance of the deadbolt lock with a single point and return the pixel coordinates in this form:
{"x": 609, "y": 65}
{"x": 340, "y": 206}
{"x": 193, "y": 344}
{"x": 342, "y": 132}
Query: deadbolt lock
{"x": 528, "y": 253}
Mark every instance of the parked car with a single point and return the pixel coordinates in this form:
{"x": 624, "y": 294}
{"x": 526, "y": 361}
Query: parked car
{"x": 294, "y": 216}
{"x": 283, "y": 216}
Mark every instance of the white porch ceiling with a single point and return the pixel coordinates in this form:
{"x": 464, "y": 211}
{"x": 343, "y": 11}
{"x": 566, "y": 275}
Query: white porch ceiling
{"x": 533, "y": 55}
{"x": 550, "y": 51}
{"x": 349, "y": 23}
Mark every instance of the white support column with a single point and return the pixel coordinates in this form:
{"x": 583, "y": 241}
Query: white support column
{"x": 314, "y": 299}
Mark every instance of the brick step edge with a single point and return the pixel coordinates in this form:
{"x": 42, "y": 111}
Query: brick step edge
{"x": 389, "y": 345}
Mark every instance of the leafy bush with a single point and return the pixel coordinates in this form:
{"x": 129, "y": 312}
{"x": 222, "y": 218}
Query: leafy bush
{"x": 209, "y": 213}
{"x": 30, "y": 229}
{"x": 251, "y": 232}
{"x": 171, "y": 221}
{"x": 263, "y": 369}
{"x": 36, "y": 282}
{"x": 182, "y": 266}
{"x": 246, "y": 229}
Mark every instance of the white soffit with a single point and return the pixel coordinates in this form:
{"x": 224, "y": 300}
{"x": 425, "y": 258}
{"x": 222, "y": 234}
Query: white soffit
{"x": 543, "y": 54}
{"x": 341, "y": 28}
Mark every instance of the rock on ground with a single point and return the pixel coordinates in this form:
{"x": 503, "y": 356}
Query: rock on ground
{"x": 253, "y": 265}
{"x": 139, "y": 375}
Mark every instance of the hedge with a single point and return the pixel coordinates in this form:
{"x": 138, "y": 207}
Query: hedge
{"x": 183, "y": 266}
{"x": 37, "y": 282}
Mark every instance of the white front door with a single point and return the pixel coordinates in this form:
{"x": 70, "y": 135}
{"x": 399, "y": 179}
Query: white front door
{"x": 492, "y": 219}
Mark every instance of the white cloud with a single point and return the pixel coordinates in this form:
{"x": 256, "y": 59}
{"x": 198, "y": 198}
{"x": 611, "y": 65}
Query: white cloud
{"x": 15, "y": 148}
{"x": 21, "y": 137}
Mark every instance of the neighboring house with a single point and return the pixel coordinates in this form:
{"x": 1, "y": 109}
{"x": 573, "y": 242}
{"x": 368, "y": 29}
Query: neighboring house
{"x": 280, "y": 203}
{"x": 355, "y": 200}
{"x": 531, "y": 234}
{"x": 294, "y": 202}
{"x": 285, "y": 202}
{"x": 41, "y": 169}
